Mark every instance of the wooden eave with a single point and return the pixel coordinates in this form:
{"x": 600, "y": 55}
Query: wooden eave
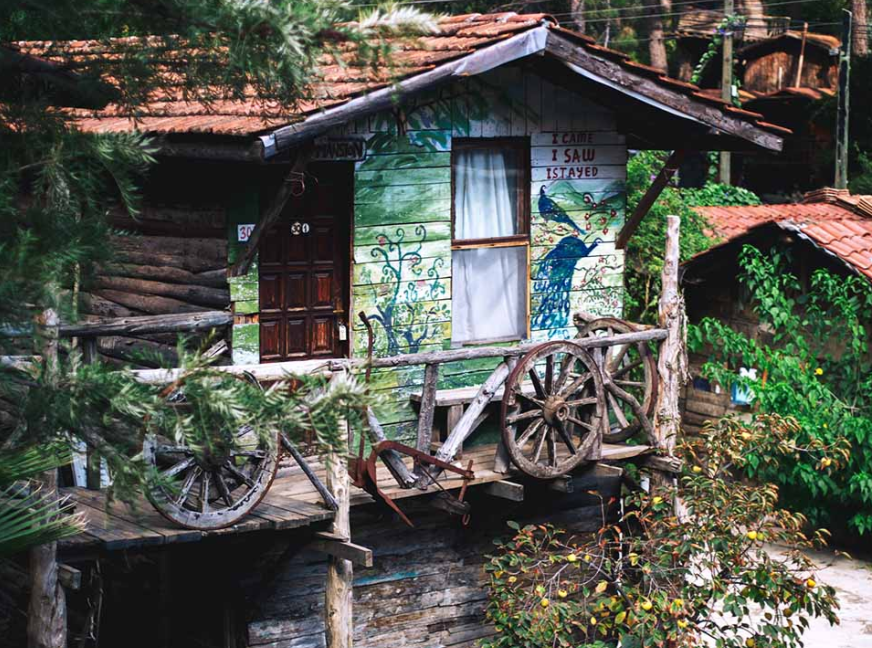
{"x": 655, "y": 112}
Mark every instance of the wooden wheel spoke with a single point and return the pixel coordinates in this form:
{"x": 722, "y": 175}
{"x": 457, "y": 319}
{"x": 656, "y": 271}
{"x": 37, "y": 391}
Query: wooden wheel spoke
{"x": 524, "y": 416}
{"x": 582, "y": 401}
{"x": 529, "y": 432}
{"x": 252, "y": 454}
{"x": 204, "y": 492}
{"x": 540, "y": 443}
{"x": 626, "y": 369}
{"x": 537, "y": 383}
{"x": 549, "y": 373}
{"x": 629, "y": 383}
{"x": 565, "y": 436}
{"x": 581, "y": 423}
{"x": 166, "y": 449}
{"x": 178, "y": 468}
{"x": 529, "y": 399}
{"x": 223, "y": 488}
{"x": 575, "y": 385}
{"x": 187, "y": 486}
{"x": 241, "y": 476}
{"x": 565, "y": 370}
{"x": 552, "y": 447}
{"x": 616, "y": 408}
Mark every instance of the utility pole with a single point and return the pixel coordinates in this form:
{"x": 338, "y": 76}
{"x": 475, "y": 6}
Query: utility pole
{"x": 726, "y": 83}
{"x": 841, "y": 180}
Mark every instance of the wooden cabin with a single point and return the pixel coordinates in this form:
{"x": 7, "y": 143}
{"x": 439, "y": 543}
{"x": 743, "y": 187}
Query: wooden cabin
{"x": 830, "y": 229}
{"x": 473, "y": 203}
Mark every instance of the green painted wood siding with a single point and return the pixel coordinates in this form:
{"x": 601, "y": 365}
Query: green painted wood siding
{"x": 401, "y": 275}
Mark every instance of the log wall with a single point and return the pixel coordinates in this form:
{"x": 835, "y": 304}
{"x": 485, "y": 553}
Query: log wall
{"x": 170, "y": 258}
{"x": 426, "y": 587}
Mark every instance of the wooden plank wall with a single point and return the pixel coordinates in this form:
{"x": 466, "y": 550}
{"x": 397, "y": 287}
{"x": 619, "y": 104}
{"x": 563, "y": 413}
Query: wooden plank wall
{"x": 426, "y": 587}
{"x": 402, "y": 229}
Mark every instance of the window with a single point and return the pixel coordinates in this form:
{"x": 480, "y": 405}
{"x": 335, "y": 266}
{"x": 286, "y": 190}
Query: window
{"x": 490, "y": 239}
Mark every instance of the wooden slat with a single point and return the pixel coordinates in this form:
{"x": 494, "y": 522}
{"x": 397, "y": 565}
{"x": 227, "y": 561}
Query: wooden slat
{"x": 115, "y": 533}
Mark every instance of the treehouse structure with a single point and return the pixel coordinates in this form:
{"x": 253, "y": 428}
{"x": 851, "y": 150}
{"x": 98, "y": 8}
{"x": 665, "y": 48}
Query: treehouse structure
{"x": 452, "y": 236}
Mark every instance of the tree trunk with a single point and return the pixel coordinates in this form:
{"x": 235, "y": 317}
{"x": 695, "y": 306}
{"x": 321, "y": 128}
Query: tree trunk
{"x": 657, "y": 44}
{"x": 577, "y": 9}
{"x": 47, "y": 610}
{"x": 860, "y": 35}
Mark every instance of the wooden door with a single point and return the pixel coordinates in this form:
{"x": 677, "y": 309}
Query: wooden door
{"x": 303, "y": 271}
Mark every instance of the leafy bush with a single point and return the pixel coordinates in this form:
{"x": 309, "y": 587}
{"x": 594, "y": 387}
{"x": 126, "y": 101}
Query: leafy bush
{"x": 644, "y": 258}
{"x": 673, "y": 574}
{"x": 816, "y": 368}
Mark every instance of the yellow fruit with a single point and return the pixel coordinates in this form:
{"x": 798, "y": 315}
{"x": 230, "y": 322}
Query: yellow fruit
{"x": 697, "y": 469}
{"x": 562, "y": 593}
{"x": 544, "y": 602}
{"x": 512, "y": 579}
{"x": 571, "y": 558}
{"x": 682, "y": 624}
{"x": 752, "y": 535}
{"x": 593, "y": 620}
{"x": 657, "y": 499}
{"x": 818, "y": 372}
{"x": 586, "y": 557}
{"x": 750, "y": 642}
{"x": 647, "y": 605}
{"x": 826, "y": 462}
{"x": 810, "y": 583}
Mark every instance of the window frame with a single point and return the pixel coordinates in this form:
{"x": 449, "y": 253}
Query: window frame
{"x": 521, "y": 147}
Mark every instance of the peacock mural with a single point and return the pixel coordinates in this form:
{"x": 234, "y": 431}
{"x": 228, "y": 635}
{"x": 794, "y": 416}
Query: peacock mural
{"x": 564, "y": 243}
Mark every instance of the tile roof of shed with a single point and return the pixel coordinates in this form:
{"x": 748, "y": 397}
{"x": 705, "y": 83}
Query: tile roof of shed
{"x": 837, "y": 222}
{"x": 458, "y": 36}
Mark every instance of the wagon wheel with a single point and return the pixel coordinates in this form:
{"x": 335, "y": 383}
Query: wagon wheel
{"x": 630, "y": 378}
{"x": 552, "y": 424}
{"x": 215, "y": 487}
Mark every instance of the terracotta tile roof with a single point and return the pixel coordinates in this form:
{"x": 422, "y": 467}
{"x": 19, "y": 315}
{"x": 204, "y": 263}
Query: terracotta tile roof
{"x": 837, "y": 222}
{"x": 458, "y": 36}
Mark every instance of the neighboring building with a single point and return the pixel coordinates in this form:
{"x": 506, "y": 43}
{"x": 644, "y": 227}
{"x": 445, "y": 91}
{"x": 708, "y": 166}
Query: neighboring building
{"x": 830, "y": 229}
{"x": 783, "y": 74}
{"x": 475, "y": 200}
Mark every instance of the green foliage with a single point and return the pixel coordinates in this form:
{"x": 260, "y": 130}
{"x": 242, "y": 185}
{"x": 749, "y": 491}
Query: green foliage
{"x": 815, "y": 367}
{"x": 29, "y": 516}
{"x": 668, "y": 577}
{"x": 59, "y": 184}
{"x": 644, "y": 257}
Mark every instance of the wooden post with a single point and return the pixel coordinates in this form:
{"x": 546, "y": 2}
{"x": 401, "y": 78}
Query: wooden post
{"x": 428, "y": 407}
{"x": 47, "y": 608}
{"x": 727, "y": 85}
{"x": 672, "y": 361}
{"x": 842, "y": 143}
{"x": 340, "y": 572}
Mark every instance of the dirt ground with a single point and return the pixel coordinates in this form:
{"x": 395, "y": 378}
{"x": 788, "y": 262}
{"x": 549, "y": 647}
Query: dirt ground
{"x": 853, "y": 582}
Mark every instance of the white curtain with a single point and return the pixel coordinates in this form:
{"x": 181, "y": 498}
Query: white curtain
{"x": 488, "y": 284}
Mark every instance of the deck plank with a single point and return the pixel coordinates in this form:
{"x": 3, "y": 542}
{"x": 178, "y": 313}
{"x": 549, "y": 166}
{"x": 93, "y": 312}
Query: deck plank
{"x": 291, "y": 502}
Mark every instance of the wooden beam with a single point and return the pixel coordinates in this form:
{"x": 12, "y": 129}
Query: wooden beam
{"x": 69, "y": 577}
{"x": 148, "y": 324}
{"x": 562, "y": 484}
{"x": 505, "y": 490}
{"x": 428, "y": 406}
{"x": 650, "y": 197}
{"x": 343, "y": 549}
{"x": 663, "y": 464}
{"x": 290, "y": 185}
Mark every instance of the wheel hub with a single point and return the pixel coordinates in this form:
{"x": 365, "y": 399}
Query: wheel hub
{"x": 555, "y": 410}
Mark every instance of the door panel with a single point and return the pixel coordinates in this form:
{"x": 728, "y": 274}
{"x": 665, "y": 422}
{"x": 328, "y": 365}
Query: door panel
{"x": 304, "y": 270}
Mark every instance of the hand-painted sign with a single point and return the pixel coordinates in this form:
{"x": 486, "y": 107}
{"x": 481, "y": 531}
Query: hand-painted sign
{"x": 243, "y": 232}
{"x": 348, "y": 149}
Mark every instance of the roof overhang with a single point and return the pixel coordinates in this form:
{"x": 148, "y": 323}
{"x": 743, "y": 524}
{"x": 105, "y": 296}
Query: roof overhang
{"x": 651, "y": 113}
